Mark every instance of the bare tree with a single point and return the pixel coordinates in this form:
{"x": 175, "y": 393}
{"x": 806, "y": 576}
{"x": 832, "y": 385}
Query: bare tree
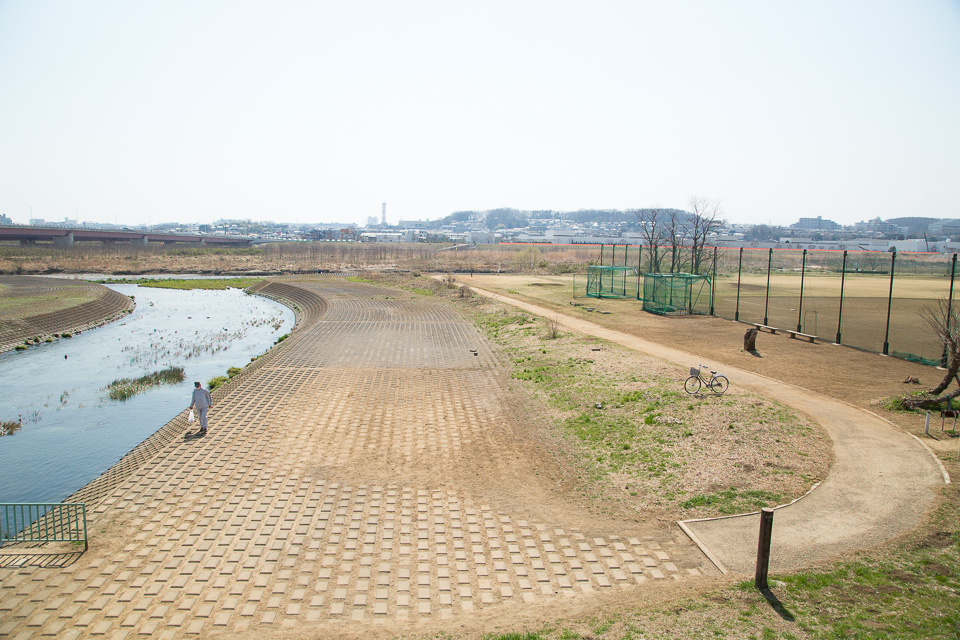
{"x": 944, "y": 320}
{"x": 676, "y": 232}
{"x": 705, "y": 219}
{"x": 652, "y": 222}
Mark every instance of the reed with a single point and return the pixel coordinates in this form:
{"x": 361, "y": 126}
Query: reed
{"x": 125, "y": 388}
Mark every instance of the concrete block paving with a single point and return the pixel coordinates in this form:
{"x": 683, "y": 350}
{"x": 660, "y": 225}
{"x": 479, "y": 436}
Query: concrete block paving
{"x": 335, "y": 488}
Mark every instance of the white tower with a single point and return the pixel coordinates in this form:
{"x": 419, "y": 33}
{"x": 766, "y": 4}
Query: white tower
{"x": 383, "y": 210}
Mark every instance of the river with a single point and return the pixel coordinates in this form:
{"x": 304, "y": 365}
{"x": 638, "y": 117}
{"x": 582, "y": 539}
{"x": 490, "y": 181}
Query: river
{"x": 72, "y": 432}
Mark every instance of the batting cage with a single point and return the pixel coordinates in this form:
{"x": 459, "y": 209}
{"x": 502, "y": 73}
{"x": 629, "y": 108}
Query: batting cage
{"x": 676, "y": 293}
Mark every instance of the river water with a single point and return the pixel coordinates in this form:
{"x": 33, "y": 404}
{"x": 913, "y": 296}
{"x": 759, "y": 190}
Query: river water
{"x": 72, "y": 432}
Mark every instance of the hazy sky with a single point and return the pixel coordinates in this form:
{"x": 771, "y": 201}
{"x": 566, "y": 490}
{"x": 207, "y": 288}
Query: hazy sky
{"x": 317, "y": 111}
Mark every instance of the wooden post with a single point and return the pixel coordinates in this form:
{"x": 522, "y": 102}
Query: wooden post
{"x": 763, "y": 548}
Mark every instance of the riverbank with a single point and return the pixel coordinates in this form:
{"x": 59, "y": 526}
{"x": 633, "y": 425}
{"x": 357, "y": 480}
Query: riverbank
{"x": 45, "y": 309}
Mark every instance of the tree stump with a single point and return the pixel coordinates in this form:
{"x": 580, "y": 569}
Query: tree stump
{"x": 750, "y": 340}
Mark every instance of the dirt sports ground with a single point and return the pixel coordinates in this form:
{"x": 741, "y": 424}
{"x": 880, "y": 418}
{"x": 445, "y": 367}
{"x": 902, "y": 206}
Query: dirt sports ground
{"x": 420, "y": 461}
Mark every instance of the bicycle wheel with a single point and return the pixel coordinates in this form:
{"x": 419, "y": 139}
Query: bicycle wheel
{"x": 692, "y": 385}
{"x": 719, "y": 384}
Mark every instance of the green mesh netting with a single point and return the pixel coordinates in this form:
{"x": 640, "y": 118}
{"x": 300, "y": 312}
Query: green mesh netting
{"x": 676, "y": 293}
{"x": 612, "y": 282}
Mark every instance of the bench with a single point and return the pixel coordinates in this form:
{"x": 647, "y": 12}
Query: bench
{"x": 761, "y": 327}
{"x": 797, "y": 334}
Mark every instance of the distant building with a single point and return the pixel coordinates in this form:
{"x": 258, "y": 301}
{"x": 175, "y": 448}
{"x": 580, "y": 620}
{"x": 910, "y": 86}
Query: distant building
{"x": 5, "y": 220}
{"x": 944, "y": 227}
{"x": 371, "y": 221}
{"x": 816, "y": 223}
{"x": 877, "y": 226}
{"x": 415, "y": 224}
{"x": 36, "y": 222}
{"x": 481, "y": 237}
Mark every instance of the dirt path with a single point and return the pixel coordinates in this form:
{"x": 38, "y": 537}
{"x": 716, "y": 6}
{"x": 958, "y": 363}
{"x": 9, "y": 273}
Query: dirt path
{"x": 880, "y": 485}
{"x": 367, "y": 478}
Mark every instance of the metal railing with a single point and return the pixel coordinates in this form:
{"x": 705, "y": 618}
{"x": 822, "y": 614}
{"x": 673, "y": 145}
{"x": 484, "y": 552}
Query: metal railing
{"x": 43, "y": 522}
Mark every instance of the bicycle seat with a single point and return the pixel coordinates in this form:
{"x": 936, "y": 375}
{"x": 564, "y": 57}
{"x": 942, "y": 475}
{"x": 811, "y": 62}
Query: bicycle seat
{"x": 714, "y": 372}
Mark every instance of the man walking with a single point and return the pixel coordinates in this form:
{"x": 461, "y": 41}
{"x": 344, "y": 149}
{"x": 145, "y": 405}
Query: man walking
{"x": 202, "y": 401}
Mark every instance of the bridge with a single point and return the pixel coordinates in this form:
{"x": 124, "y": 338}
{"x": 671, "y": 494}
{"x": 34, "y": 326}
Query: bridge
{"x": 65, "y": 237}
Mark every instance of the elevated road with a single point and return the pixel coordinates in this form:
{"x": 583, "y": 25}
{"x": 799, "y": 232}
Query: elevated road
{"x": 63, "y": 236}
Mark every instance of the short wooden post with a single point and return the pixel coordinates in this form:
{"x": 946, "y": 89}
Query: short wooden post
{"x": 763, "y": 548}
{"x": 926, "y": 428}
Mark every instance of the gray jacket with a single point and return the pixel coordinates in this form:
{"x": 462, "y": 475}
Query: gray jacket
{"x": 201, "y": 399}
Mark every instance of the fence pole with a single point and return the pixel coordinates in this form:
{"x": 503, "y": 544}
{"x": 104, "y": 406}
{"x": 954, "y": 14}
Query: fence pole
{"x": 843, "y": 276}
{"x": 639, "y": 261}
{"x": 626, "y": 249}
{"x": 953, "y": 272}
{"x": 713, "y": 285}
{"x": 766, "y": 302}
{"x": 803, "y": 272}
{"x": 886, "y": 335}
{"x": 601, "y": 255}
{"x": 736, "y": 315}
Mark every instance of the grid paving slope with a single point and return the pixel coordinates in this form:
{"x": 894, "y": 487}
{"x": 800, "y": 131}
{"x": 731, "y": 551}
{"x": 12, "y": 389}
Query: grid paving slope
{"x": 101, "y": 304}
{"x": 362, "y": 479}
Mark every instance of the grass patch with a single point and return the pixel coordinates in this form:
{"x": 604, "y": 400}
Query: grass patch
{"x": 638, "y": 441}
{"x": 217, "y": 381}
{"x": 125, "y": 388}
{"x": 733, "y": 501}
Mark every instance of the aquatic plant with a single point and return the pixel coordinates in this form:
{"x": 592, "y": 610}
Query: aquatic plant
{"x": 9, "y": 427}
{"x": 125, "y": 388}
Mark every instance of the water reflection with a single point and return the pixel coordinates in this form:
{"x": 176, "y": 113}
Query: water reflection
{"x": 71, "y": 431}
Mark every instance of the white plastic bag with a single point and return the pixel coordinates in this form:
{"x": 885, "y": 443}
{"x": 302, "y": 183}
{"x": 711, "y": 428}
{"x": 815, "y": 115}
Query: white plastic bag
{"x": 190, "y": 417}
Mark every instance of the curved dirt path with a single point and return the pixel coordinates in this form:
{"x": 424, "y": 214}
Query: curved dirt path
{"x": 366, "y": 478}
{"x": 879, "y": 486}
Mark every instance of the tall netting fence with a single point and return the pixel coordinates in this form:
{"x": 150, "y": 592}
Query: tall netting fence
{"x": 866, "y": 299}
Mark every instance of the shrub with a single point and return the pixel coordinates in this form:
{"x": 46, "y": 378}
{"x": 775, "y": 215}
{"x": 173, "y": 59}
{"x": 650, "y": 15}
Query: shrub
{"x": 21, "y": 347}
{"x": 66, "y": 335}
{"x": 218, "y": 381}
{"x": 232, "y": 371}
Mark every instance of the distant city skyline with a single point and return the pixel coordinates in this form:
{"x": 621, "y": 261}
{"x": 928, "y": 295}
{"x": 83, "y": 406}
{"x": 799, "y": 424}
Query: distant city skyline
{"x": 309, "y": 112}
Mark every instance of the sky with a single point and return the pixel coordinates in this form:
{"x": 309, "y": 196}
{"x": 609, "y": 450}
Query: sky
{"x": 184, "y": 111}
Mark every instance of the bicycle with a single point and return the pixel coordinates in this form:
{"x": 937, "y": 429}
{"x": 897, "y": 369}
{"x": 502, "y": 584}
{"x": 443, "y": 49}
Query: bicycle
{"x": 717, "y": 384}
